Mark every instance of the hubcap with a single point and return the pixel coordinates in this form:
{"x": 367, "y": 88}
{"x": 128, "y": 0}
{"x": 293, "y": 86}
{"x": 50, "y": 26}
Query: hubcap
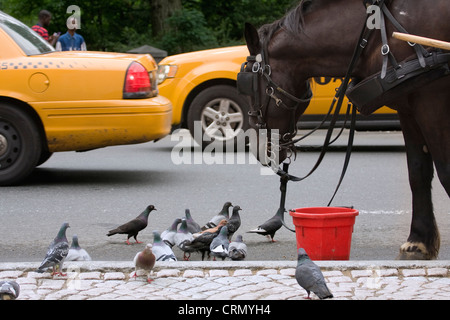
{"x": 222, "y": 119}
{"x": 3, "y": 145}
{"x": 9, "y": 144}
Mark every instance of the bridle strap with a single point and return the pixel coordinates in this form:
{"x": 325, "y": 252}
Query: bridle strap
{"x": 340, "y": 95}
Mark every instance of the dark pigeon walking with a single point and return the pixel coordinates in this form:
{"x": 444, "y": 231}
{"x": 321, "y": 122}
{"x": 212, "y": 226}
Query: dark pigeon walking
{"x": 133, "y": 227}
{"x": 223, "y": 214}
{"x": 203, "y": 241}
{"x": 271, "y": 226}
{"x": 56, "y": 252}
{"x": 309, "y": 276}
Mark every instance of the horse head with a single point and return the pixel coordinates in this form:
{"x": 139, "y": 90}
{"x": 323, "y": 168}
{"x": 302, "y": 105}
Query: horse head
{"x": 277, "y": 99}
{"x": 284, "y": 56}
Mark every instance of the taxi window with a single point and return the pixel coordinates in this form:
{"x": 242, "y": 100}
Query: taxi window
{"x": 29, "y": 41}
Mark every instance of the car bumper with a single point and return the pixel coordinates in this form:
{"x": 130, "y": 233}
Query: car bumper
{"x": 85, "y": 125}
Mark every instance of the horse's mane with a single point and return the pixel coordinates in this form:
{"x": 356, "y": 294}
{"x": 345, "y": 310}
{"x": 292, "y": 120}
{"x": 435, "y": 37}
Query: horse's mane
{"x": 291, "y": 22}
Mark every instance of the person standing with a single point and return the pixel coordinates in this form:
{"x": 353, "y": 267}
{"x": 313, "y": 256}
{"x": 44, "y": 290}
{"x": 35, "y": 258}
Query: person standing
{"x": 71, "y": 40}
{"x": 45, "y": 18}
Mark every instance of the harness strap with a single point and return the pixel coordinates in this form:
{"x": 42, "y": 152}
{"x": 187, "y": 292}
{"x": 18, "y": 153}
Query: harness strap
{"x": 420, "y": 50}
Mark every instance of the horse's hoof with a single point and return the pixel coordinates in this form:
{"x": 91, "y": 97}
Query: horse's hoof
{"x": 414, "y": 251}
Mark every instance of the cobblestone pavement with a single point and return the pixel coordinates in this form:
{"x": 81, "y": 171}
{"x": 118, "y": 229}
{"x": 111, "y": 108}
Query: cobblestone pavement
{"x": 227, "y": 280}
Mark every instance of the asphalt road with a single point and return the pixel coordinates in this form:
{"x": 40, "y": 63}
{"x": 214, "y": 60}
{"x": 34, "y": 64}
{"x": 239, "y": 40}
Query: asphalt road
{"x": 98, "y": 190}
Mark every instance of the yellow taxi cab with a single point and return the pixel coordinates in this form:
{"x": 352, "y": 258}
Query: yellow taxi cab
{"x": 202, "y": 88}
{"x": 71, "y": 101}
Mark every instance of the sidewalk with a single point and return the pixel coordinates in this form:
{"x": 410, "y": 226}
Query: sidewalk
{"x": 228, "y": 280}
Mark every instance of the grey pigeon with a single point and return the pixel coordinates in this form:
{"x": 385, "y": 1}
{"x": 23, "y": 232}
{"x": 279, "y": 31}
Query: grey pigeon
{"x": 161, "y": 250}
{"x": 76, "y": 253}
{"x": 219, "y": 245}
{"x": 309, "y": 276}
{"x": 9, "y": 290}
{"x": 223, "y": 214}
{"x": 271, "y": 226}
{"x": 192, "y": 226}
{"x": 144, "y": 261}
{"x": 133, "y": 227}
{"x": 237, "y": 250}
{"x": 234, "y": 222}
{"x": 56, "y": 252}
{"x": 168, "y": 235}
{"x": 182, "y": 238}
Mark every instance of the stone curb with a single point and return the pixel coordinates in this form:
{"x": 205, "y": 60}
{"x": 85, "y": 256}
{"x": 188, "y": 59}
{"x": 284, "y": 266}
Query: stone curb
{"x": 125, "y": 266}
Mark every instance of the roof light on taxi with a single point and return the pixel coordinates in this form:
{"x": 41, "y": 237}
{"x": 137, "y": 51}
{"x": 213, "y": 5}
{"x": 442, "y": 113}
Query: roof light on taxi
{"x": 137, "y": 82}
{"x": 166, "y": 71}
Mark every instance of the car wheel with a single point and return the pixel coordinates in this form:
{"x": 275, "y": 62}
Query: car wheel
{"x": 219, "y": 115}
{"x": 45, "y": 155}
{"x": 20, "y": 145}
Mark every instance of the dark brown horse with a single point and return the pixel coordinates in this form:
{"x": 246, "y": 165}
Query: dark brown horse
{"x": 318, "y": 38}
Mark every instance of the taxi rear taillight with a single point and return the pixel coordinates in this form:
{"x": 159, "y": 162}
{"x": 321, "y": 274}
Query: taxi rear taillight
{"x": 138, "y": 84}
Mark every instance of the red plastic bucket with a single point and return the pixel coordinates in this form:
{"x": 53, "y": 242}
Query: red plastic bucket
{"x": 324, "y": 232}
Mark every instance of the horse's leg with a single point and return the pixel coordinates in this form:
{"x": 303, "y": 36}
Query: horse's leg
{"x": 423, "y": 241}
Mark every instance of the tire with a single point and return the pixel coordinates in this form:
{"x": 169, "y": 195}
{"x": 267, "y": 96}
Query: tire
{"x": 223, "y": 115}
{"x": 20, "y": 145}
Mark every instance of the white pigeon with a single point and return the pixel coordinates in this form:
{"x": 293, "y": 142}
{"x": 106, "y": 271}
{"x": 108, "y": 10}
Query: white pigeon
{"x": 76, "y": 253}
{"x": 162, "y": 250}
{"x": 182, "y": 238}
{"x": 219, "y": 245}
{"x": 168, "y": 235}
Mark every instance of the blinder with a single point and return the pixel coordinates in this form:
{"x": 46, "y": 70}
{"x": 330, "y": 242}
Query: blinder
{"x": 247, "y": 82}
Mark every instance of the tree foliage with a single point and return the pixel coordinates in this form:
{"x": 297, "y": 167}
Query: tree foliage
{"x": 120, "y": 25}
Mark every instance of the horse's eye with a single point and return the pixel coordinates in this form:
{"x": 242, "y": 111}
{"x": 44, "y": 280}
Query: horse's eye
{"x": 306, "y": 5}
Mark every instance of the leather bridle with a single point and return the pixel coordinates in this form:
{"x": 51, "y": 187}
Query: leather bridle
{"x": 257, "y": 71}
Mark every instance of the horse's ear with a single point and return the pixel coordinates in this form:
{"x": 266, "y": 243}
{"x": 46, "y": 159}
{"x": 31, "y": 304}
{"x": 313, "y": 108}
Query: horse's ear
{"x": 252, "y": 39}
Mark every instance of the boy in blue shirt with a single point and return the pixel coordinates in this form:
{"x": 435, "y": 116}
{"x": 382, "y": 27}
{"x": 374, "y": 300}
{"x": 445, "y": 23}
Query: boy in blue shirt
{"x": 71, "y": 41}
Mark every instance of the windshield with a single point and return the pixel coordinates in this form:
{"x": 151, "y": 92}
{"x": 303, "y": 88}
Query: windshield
{"x": 28, "y": 40}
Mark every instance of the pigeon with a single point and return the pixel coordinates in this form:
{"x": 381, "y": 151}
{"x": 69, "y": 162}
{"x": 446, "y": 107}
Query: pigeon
{"x": 168, "y": 235}
{"x": 76, "y": 253}
{"x": 309, "y": 276}
{"x": 203, "y": 241}
{"x": 234, "y": 222}
{"x": 216, "y": 229}
{"x": 56, "y": 252}
{"x": 192, "y": 226}
{"x": 161, "y": 250}
{"x": 9, "y": 290}
{"x": 219, "y": 245}
{"x": 144, "y": 260}
{"x": 223, "y": 214}
{"x": 271, "y": 226}
{"x": 132, "y": 228}
{"x": 237, "y": 250}
{"x": 182, "y": 238}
